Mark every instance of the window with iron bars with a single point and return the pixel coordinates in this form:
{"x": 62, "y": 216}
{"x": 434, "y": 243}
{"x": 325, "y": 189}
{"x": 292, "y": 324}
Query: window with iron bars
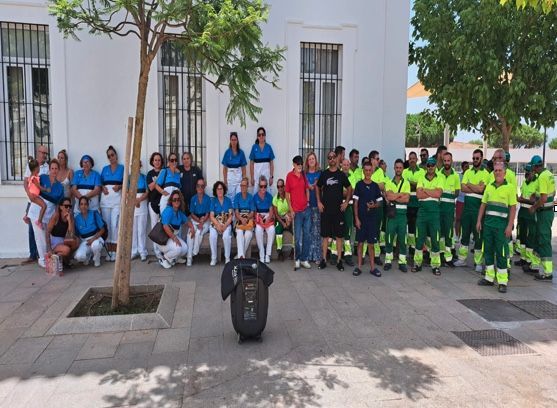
{"x": 320, "y": 98}
{"x": 25, "y": 95}
{"x": 181, "y": 105}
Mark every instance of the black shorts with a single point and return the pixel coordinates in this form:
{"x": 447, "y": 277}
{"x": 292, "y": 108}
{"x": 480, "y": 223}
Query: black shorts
{"x": 368, "y": 231}
{"x": 332, "y": 225}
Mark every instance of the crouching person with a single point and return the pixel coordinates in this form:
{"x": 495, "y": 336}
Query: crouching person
{"x": 172, "y": 219}
{"x": 89, "y": 227}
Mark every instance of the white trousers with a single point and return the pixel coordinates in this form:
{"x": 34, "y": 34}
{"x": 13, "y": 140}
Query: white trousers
{"x": 139, "y": 235}
{"x": 234, "y": 178}
{"x": 154, "y": 217}
{"x": 195, "y": 242}
{"x": 260, "y": 244}
{"x": 84, "y": 251}
{"x": 40, "y": 241}
{"x": 111, "y": 215}
{"x": 171, "y": 251}
{"x": 243, "y": 239}
{"x": 226, "y": 239}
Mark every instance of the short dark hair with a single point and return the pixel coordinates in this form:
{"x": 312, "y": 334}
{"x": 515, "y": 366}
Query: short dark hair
{"x": 33, "y": 164}
{"x": 353, "y": 152}
{"x": 399, "y": 161}
{"x": 442, "y": 147}
{"x": 373, "y": 154}
{"x": 152, "y": 158}
{"x": 215, "y": 186}
{"x": 367, "y": 163}
{"x": 83, "y": 197}
{"x": 464, "y": 163}
{"x": 424, "y": 150}
{"x": 339, "y": 149}
{"x": 447, "y": 153}
{"x": 478, "y": 151}
{"x": 412, "y": 153}
{"x": 365, "y": 160}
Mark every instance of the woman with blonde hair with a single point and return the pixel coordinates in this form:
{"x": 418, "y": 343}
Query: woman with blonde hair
{"x": 312, "y": 172}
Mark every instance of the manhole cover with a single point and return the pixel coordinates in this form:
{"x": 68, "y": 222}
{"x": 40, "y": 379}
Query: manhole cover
{"x": 497, "y": 310}
{"x": 493, "y": 342}
{"x": 542, "y": 309}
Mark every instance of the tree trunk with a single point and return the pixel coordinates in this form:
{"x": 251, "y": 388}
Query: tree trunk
{"x": 123, "y": 256}
{"x": 506, "y": 130}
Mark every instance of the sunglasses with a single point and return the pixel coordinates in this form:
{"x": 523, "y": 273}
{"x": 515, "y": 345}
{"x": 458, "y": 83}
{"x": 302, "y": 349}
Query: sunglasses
{"x": 260, "y": 134}
{"x": 173, "y": 160}
{"x": 280, "y": 186}
{"x": 423, "y": 155}
{"x": 430, "y": 165}
{"x": 176, "y": 200}
{"x": 66, "y": 206}
{"x": 111, "y": 155}
{"x": 263, "y": 186}
{"x": 476, "y": 158}
{"x": 331, "y": 157}
{"x": 200, "y": 186}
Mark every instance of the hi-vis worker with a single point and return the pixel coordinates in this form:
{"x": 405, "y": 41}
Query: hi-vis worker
{"x": 543, "y": 208}
{"x": 473, "y": 185}
{"x": 412, "y": 174}
{"x": 430, "y": 188}
{"x": 526, "y": 224}
{"x": 398, "y": 194}
{"x": 379, "y": 178}
{"x": 451, "y": 190}
{"x": 499, "y": 207}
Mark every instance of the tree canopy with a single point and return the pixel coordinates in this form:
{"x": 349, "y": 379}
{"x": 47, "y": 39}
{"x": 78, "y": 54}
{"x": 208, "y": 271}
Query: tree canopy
{"x": 545, "y": 5}
{"x": 487, "y": 66}
{"x": 523, "y": 136}
{"x": 423, "y": 129}
{"x": 553, "y": 143}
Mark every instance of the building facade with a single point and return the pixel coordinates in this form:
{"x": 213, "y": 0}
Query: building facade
{"x": 343, "y": 82}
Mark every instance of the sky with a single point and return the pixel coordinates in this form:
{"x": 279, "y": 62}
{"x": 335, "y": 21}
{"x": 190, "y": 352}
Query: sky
{"x": 416, "y": 105}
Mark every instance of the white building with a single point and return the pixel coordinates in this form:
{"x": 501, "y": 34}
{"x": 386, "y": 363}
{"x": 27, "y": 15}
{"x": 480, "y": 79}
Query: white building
{"x": 78, "y": 95}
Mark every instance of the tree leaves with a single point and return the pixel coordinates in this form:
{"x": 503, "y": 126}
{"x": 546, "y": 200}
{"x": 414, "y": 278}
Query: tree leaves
{"x": 423, "y": 129}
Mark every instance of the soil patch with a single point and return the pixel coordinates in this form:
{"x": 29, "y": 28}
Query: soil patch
{"x": 99, "y": 304}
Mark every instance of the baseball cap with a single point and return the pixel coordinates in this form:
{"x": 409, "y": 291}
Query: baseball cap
{"x": 536, "y": 160}
{"x": 528, "y": 167}
{"x": 431, "y": 160}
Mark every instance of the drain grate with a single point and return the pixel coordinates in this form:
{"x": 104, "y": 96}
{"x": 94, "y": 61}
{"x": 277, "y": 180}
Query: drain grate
{"x": 497, "y": 310}
{"x": 542, "y": 309}
{"x": 493, "y": 343}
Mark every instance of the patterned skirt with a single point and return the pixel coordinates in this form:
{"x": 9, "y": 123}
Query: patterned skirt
{"x": 315, "y": 236}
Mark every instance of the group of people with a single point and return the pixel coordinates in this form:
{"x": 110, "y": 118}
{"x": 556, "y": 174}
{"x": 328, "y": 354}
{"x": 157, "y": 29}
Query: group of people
{"x": 421, "y": 212}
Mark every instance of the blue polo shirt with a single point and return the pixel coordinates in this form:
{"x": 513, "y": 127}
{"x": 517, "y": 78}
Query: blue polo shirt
{"x": 141, "y": 183}
{"x": 199, "y": 209}
{"x": 56, "y": 190}
{"x": 168, "y": 179}
{"x": 218, "y": 208}
{"x": 244, "y": 205}
{"x": 263, "y": 205}
{"x": 109, "y": 178}
{"x": 233, "y": 161}
{"x": 312, "y": 178}
{"x": 173, "y": 218}
{"x": 264, "y": 155}
{"x": 88, "y": 226}
{"x": 83, "y": 182}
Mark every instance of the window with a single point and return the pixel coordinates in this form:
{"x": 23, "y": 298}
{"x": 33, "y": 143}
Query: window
{"x": 320, "y": 99}
{"x": 25, "y": 95}
{"x": 181, "y": 108}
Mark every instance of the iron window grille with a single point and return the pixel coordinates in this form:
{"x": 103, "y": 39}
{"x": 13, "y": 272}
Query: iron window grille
{"x": 181, "y": 105}
{"x": 25, "y": 95}
{"x": 320, "y": 98}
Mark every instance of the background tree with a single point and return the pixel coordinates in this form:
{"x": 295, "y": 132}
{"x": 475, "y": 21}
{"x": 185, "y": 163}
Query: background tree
{"x": 523, "y": 136}
{"x": 423, "y": 129}
{"x": 221, "y": 39}
{"x": 478, "y": 142}
{"x": 486, "y": 66}
{"x": 545, "y": 5}
{"x": 553, "y": 143}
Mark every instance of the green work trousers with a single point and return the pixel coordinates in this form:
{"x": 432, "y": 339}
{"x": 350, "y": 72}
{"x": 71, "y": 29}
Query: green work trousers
{"x": 468, "y": 226}
{"x": 447, "y": 230}
{"x": 396, "y": 228}
{"x": 496, "y": 251}
{"x": 427, "y": 225}
{"x": 542, "y": 248}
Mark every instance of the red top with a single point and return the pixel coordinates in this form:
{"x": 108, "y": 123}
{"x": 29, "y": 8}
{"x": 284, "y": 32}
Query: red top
{"x": 297, "y": 186}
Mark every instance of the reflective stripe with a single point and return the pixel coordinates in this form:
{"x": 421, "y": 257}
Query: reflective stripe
{"x": 412, "y": 193}
{"x": 379, "y": 199}
{"x": 497, "y": 204}
{"x": 474, "y": 195}
{"x": 522, "y": 205}
{"x": 548, "y": 204}
{"x": 401, "y": 206}
{"x": 496, "y": 214}
{"x": 429, "y": 199}
{"x": 447, "y": 200}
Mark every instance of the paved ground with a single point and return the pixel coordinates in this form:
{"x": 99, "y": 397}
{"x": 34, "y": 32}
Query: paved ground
{"x": 331, "y": 340}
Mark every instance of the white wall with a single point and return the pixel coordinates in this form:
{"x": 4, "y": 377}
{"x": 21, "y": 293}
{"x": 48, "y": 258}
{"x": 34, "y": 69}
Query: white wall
{"x": 93, "y": 85}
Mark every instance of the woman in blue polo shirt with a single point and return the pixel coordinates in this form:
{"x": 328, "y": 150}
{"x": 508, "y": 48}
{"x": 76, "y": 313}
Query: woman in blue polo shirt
{"x": 221, "y": 220}
{"x": 200, "y": 208}
{"x": 140, "y": 219}
{"x": 86, "y": 182}
{"x": 112, "y": 177}
{"x": 89, "y": 226}
{"x": 244, "y": 210}
{"x": 261, "y": 160}
{"x": 264, "y": 220}
{"x": 172, "y": 219}
{"x": 234, "y": 166}
{"x": 168, "y": 180}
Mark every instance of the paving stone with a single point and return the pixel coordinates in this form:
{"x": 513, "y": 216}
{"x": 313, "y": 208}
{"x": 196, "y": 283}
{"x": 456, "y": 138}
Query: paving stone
{"x": 25, "y": 350}
{"x": 172, "y": 340}
{"x": 101, "y": 345}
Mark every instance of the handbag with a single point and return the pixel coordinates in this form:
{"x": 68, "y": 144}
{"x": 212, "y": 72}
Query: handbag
{"x": 53, "y": 265}
{"x": 158, "y": 235}
{"x": 244, "y": 227}
{"x": 391, "y": 207}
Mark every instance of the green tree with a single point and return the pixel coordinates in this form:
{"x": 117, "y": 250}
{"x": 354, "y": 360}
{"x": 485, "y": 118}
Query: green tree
{"x": 486, "y": 66}
{"x": 220, "y": 38}
{"x": 423, "y": 129}
{"x": 523, "y": 136}
{"x": 553, "y": 143}
{"x": 545, "y": 5}
{"x": 478, "y": 142}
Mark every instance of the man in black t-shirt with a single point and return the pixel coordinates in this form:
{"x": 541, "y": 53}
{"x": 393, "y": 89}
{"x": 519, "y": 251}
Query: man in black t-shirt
{"x": 190, "y": 174}
{"x": 329, "y": 192}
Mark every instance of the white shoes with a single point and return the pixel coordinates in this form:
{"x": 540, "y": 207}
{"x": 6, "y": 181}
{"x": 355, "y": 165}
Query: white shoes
{"x": 97, "y": 261}
{"x": 297, "y": 265}
{"x": 164, "y": 263}
{"x": 181, "y": 260}
{"x": 189, "y": 262}
{"x": 460, "y": 262}
{"x": 143, "y": 258}
{"x": 305, "y": 264}
{"x": 213, "y": 262}
{"x": 267, "y": 259}
{"x": 227, "y": 260}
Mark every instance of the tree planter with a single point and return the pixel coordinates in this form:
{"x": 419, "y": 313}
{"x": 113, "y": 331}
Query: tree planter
{"x": 161, "y": 319}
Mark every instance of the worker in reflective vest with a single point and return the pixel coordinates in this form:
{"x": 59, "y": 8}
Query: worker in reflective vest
{"x": 526, "y": 224}
{"x": 451, "y": 190}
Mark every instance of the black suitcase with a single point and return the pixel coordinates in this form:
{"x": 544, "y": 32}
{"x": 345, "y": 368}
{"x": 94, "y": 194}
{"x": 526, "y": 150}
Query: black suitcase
{"x": 249, "y": 298}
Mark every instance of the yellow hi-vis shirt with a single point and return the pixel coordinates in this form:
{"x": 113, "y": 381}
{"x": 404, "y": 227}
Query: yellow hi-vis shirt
{"x": 472, "y": 201}
{"x": 498, "y": 201}
{"x": 412, "y": 176}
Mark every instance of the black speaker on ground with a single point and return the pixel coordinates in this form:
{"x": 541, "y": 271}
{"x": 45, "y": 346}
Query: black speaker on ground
{"x": 247, "y": 282}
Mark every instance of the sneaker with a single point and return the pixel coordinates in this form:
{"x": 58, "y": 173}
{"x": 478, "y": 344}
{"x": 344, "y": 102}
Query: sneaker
{"x": 340, "y": 266}
{"x": 357, "y": 271}
{"x": 460, "y": 262}
{"x": 322, "y": 264}
{"x": 262, "y": 260}
{"x": 164, "y": 263}
{"x": 306, "y": 264}
{"x": 189, "y": 261}
{"x": 348, "y": 260}
{"x": 484, "y": 282}
{"x": 226, "y": 260}
{"x": 378, "y": 261}
{"x": 213, "y": 262}
{"x": 97, "y": 261}
{"x": 143, "y": 258}
{"x": 267, "y": 259}
{"x": 113, "y": 256}
{"x": 297, "y": 264}
{"x": 479, "y": 269}
{"x": 108, "y": 257}
{"x": 181, "y": 260}
{"x": 134, "y": 256}
{"x": 387, "y": 266}
{"x": 502, "y": 288}
{"x": 403, "y": 268}
{"x": 436, "y": 271}
{"x": 544, "y": 278}
{"x": 375, "y": 272}
{"x": 520, "y": 262}
{"x": 417, "y": 268}
{"x": 333, "y": 260}
{"x": 450, "y": 264}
